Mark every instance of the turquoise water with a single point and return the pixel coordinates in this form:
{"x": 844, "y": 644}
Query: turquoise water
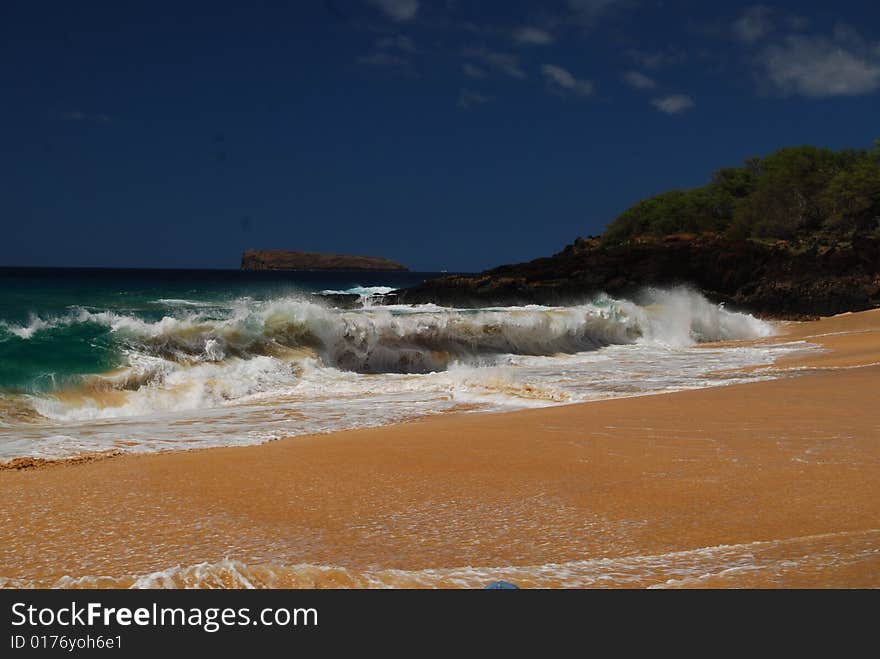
{"x": 57, "y": 325}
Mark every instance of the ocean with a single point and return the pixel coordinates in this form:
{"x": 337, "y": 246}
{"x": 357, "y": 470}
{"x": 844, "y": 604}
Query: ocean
{"x": 104, "y": 360}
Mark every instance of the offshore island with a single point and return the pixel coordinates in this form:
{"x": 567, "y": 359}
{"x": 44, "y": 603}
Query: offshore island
{"x": 279, "y": 259}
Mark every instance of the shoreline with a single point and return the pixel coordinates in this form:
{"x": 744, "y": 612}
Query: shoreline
{"x": 551, "y": 493}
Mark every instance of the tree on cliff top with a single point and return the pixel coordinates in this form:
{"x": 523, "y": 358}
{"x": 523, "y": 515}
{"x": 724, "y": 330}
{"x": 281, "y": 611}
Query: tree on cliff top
{"x": 794, "y": 193}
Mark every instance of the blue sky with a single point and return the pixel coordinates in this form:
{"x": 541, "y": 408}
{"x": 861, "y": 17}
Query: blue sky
{"x": 446, "y": 134}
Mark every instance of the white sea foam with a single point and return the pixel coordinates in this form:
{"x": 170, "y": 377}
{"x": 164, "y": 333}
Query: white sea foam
{"x": 259, "y": 370}
{"x": 360, "y": 290}
{"x": 175, "y": 302}
{"x": 781, "y": 562}
{"x": 34, "y": 325}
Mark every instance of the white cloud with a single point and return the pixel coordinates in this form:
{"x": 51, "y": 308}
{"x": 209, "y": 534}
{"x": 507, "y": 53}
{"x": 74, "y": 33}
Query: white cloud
{"x": 753, "y": 25}
{"x": 472, "y": 71}
{"x": 469, "y": 98}
{"x": 673, "y": 104}
{"x": 503, "y": 62}
{"x": 638, "y": 80}
{"x": 562, "y": 80}
{"x": 534, "y": 36}
{"x": 398, "y": 10}
{"x": 819, "y": 67}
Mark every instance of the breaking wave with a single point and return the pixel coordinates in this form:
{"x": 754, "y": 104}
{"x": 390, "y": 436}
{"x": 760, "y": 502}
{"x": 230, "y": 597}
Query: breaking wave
{"x": 307, "y": 354}
{"x": 417, "y": 339}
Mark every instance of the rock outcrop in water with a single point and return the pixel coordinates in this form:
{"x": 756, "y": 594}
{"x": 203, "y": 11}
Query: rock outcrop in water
{"x": 279, "y": 259}
{"x": 780, "y": 279}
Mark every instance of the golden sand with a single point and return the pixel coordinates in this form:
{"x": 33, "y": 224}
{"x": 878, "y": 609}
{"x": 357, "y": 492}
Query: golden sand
{"x": 773, "y": 483}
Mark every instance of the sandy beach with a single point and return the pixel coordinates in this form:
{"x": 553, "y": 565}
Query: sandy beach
{"x": 767, "y": 484}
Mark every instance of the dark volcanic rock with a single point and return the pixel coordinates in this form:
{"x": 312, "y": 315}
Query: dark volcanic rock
{"x": 782, "y": 280}
{"x": 279, "y": 259}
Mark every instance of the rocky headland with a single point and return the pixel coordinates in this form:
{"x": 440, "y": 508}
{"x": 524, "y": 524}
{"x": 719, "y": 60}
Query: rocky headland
{"x": 776, "y": 279}
{"x": 792, "y": 234}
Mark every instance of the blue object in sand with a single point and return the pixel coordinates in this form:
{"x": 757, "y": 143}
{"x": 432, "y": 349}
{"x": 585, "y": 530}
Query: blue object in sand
{"x": 501, "y": 585}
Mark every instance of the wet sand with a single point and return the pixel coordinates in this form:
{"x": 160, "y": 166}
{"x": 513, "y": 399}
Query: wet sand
{"x": 767, "y": 484}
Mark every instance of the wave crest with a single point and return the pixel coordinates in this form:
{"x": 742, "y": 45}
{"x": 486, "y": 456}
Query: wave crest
{"x": 415, "y": 339}
{"x": 201, "y": 359}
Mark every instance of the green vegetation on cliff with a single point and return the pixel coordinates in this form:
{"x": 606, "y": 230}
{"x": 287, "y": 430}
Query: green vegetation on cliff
{"x": 796, "y": 193}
